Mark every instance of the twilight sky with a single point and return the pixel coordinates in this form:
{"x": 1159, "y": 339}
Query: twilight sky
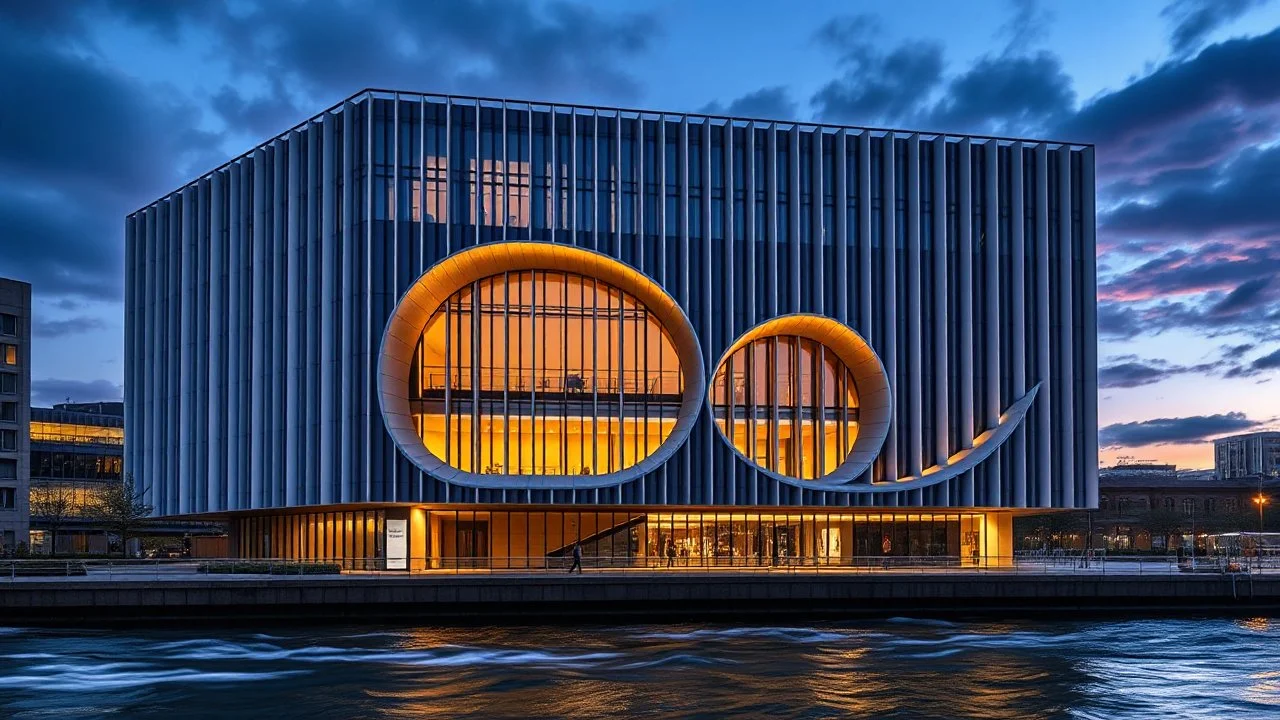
{"x": 107, "y": 104}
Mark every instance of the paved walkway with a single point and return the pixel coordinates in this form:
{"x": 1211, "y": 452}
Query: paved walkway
{"x": 187, "y": 572}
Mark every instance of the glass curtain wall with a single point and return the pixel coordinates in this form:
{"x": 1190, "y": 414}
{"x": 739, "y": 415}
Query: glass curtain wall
{"x": 538, "y": 539}
{"x": 789, "y": 404}
{"x": 544, "y": 373}
{"x": 353, "y": 539}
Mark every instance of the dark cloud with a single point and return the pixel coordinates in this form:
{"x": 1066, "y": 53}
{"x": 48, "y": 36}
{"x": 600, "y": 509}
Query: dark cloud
{"x": 1029, "y": 24}
{"x": 876, "y": 86}
{"x": 71, "y": 326}
{"x": 1130, "y": 374}
{"x": 70, "y": 121}
{"x": 1008, "y": 94}
{"x": 51, "y": 391}
{"x": 61, "y": 247}
{"x": 82, "y": 146}
{"x": 1136, "y": 373}
{"x": 906, "y": 85}
{"x": 1167, "y": 431}
{"x": 1237, "y": 196}
{"x": 327, "y": 49}
{"x": 1218, "y": 287}
{"x": 263, "y": 116}
{"x": 1118, "y": 320}
{"x": 1217, "y": 266}
{"x": 1194, "y": 20}
{"x": 91, "y": 144}
{"x": 1247, "y": 295}
{"x": 1268, "y": 362}
{"x": 1135, "y": 125}
{"x": 770, "y": 103}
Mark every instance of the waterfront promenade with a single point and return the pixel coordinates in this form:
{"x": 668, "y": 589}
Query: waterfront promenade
{"x": 176, "y": 592}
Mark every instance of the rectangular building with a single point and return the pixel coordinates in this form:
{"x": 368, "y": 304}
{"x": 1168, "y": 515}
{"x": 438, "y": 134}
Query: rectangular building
{"x": 1255, "y": 455}
{"x": 474, "y": 331}
{"x": 15, "y": 398}
{"x": 77, "y": 451}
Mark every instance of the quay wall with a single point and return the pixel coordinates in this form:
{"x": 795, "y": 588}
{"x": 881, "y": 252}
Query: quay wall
{"x": 627, "y": 598}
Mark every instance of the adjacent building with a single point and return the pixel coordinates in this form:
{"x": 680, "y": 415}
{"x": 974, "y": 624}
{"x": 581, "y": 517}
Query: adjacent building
{"x": 77, "y": 451}
{"x": 422, "y": 331}
{"x": 1252, "y": 455}
{"x": 1145, "y": 506}
{"x": 15, "y": 398}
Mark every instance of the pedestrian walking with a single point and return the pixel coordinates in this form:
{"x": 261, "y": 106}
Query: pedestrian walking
{"x": 577, "y": 559}
{"x": 671, "y": 554}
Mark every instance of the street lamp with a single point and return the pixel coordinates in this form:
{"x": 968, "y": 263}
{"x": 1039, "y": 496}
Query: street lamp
{"x": 1260, "y": 500}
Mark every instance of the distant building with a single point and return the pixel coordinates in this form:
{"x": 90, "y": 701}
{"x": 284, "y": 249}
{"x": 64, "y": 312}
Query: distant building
{"x": 15, "y": 397}
{"x": 1141, "y": 506}
{"x": 77, "y": 450}
{"x": 1252, "y": 455}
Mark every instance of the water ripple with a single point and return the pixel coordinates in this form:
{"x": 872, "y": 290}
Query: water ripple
{"x": 903, "y": 668}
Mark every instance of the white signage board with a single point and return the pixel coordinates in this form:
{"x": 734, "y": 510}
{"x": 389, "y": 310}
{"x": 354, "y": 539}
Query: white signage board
{"x": 397, "y": 544}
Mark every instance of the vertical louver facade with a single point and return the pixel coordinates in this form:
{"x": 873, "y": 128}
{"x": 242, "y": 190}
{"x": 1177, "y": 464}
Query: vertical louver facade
{"x": 260, "y": 299}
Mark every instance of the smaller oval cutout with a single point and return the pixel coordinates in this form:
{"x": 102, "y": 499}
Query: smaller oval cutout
{"x": 804, "y": 398}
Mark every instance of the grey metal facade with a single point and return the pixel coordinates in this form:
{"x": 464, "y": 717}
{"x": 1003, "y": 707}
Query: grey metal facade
{"x": 257, "y": 294}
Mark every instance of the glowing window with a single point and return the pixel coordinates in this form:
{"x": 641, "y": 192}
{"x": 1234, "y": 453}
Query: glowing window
{"x": 541, "y": 372}
{"x": 788, "y": 404}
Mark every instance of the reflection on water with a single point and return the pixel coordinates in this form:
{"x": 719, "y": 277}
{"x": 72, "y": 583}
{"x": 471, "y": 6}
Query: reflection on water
{"x": 901, "y": 668}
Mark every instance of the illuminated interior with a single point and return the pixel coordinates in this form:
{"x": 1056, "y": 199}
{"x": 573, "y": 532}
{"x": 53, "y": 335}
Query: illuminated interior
{"x": 76, "y": 433}
{"x": 789, "y": 404}
{"x": 539, "y": 372}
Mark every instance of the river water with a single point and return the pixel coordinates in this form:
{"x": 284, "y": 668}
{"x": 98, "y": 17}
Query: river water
{"x": 1207, "y": 668}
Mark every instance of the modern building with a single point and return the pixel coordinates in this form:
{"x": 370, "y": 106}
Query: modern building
{"x": 15, "y": 398}
{"x": 473, "y": 331}
{"x": 77, "y": 451}
{"x": 1252, "y": 455}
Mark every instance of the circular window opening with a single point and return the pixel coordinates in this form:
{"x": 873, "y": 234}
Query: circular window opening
{"x": 804, "y": 397}
{"x": 787, "y": 403}
{"x": 544, "y": 372}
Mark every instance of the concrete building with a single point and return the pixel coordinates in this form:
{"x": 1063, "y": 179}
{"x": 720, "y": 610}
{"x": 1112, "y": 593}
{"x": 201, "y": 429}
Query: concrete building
{"x": 15, "y": 399}
{"x": 1255, "y": 455}
{"x": 472, "y": 331}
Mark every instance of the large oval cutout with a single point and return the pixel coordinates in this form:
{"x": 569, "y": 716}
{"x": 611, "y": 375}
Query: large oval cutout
{"x": 539, "y": 365}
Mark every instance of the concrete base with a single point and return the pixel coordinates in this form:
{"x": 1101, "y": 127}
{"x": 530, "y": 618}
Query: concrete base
{"x": 626, "y": 598}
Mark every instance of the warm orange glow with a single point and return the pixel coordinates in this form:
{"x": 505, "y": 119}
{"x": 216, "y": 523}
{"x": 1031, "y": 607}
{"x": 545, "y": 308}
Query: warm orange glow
{"x": 787, "y": 403}
{"x": 1260, "y": 500}
{"x": 76, "y": 433}
{"x": 544, "y": 373}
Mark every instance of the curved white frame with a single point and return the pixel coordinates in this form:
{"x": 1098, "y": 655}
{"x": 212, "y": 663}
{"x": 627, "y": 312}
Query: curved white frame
{"x": 984, "y": 445}
{"x": 455, "y": 272}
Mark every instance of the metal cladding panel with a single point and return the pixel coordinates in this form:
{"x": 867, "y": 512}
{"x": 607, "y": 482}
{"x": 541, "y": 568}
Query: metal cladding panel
{"x": 261, "y": 295}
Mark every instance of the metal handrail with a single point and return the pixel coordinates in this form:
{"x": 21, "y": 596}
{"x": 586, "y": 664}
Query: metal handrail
{"x": 210, "y": 568}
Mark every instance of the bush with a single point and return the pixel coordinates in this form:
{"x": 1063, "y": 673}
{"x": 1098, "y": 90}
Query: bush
{"x": 258, "y": 567}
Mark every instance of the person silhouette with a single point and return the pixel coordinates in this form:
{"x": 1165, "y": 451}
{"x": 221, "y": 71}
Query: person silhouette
{"x": 577, "y": 558}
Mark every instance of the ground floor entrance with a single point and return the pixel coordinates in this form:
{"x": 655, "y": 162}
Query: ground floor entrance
{"x": 476, "y": 538}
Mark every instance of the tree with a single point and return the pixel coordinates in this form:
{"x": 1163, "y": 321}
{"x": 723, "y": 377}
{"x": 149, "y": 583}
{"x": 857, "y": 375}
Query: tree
{"x": 1163, "y": 523}
{"x": 1052, "y": 529}
{"x": 54, "y": 505}
{"x": 122, "y": 511}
